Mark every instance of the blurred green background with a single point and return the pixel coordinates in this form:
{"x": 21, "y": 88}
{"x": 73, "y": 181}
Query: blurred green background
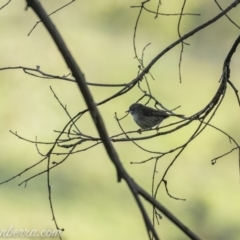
{"x": 88, "y": 202}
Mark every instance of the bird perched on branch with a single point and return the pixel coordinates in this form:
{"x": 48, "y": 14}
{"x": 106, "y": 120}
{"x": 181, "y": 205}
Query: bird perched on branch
{"x": 146, "y": 117}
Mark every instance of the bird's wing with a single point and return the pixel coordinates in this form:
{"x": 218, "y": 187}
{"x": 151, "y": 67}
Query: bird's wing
{"x": 156, "y": 112}
{"x": 159, "y": 113}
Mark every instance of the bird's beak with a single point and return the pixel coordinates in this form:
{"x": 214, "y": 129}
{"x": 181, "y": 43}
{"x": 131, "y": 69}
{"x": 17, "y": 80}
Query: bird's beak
{"x": 127, "y": 111}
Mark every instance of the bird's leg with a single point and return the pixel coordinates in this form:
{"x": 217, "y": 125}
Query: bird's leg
{"x": 139, "y": 131}
{"x": 157, "y": 127}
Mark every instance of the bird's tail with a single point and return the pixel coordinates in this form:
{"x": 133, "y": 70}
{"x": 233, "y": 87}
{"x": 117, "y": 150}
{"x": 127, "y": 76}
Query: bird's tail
{"x": 177, "y": 115}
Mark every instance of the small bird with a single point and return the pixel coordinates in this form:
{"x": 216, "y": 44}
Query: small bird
{"x": 146, "y": 117}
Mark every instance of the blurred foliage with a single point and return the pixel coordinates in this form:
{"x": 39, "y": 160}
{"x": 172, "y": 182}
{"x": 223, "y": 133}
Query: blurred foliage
{"x": 88, "y": 202}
